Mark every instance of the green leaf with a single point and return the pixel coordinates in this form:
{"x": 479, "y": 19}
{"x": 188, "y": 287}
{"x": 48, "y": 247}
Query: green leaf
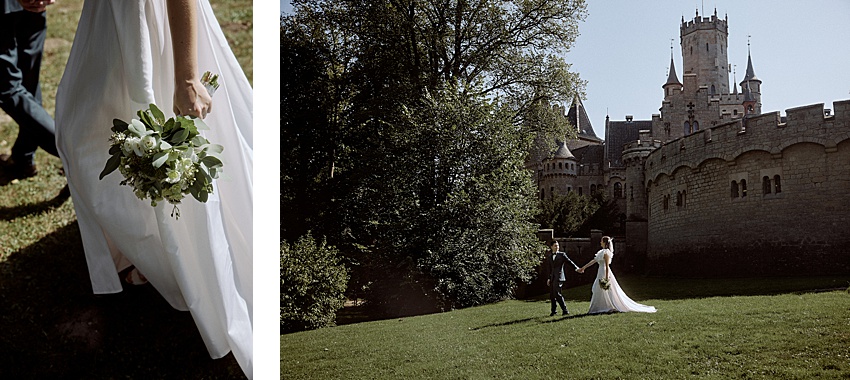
{"x": 214, "y": 148}
{"x": 211, "y": 161}
{"x": 114, "y": 149}
{"x": 169, "y": 125}
{"x": 159, "y": 159}
{"x": 179, "y": 136}
{"x": 157, "y": 114}
{"x": 119, "y": 125}
{"x": 111, "y": 164}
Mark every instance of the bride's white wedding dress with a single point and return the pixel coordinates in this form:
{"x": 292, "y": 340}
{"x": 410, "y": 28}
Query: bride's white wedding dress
{"x": 121, "y": 61}
{"x": 613, "y": 299}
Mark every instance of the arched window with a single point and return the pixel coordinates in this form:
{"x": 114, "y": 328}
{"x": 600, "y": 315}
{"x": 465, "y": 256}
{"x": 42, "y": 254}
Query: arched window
{"x": 542, "y": 193}
{"x": 666, "y": 201}
{"x": 713, "y": 91}
{"x": 706, "y": 46}
{"x": 679, "y": 198}
{"x": 631, "y": 192}
{"x": 777, "y": 184}
{"x": 592, "y": 188}
{"x": 750, "y": 108}
{"x": 696, "y": 126}
{"x": 735, "y": 112}
{"x": 692, "y": 50}
{"x": 560, "y": 165}
{"x": 734, "y": 189}
{"x": 580, "y": 191}
{"x": 765, "y": 185}
{"x": 687, "y": 128}
{"x": 743, "y": 188}
{"x": 618, "y": 190}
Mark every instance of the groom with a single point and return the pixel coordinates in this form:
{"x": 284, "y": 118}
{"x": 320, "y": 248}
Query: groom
{"x": 556, "y": 260}
{"x": 23, "y": 28}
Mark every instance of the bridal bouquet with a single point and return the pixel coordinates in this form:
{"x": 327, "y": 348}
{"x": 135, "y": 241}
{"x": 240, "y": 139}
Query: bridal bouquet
{"x": 165, "y": 159}
{"x": 604, "y": 284}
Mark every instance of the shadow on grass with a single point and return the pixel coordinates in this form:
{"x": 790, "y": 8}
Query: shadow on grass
{"x": 550, "y": 319}
{"x": 54, "y": 327}
{"x": 11, "y": 213}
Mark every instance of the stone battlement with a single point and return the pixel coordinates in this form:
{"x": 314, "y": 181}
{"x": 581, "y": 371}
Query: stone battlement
{"x": 765, "y": 132}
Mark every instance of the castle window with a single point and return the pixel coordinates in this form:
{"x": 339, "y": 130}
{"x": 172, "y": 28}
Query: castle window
{"x": 692, "y": 50}
{"x": 618, "y": 190}
{"x": 750, "y": 108}
{"x": 706, "y": 46}
{"x": 580, "y": 191}
{"x": 687, "y": 128}
{"x": 696, "y": 126}
{"x": 679, "y": 198}
{"x": 735, "y": 112}
{"x": 542, "y": 193}
{"x": 734, "y": 189}
{"x": 713, "y": 91}
{"x": 569, "y": 189}
{"x": 743, "y": 188}
{"x": 666, "y": 201}
{"x": 552, "y": 192}
{"x": 560, "y": 165}
{"x": 765, "y": 185}
{"x": 592, "y": 188}
{"x": 777, "y": 184}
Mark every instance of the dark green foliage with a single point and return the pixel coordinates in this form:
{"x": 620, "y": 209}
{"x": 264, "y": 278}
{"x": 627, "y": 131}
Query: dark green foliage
{"x": 566, "y": 213}
{"x": 312, "y": 285}
{"x": 404, "y": 127}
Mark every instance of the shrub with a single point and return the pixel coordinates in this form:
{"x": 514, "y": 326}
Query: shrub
{"x": 312, "y": 284}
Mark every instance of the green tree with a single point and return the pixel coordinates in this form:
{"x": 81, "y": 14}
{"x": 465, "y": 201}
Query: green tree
{"x": 312, "y": 285}
{"x": 412, "y": 163}
{"x": 566, "y": 214}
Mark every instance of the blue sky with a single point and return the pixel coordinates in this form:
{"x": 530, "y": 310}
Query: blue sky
{"x": 623, "y": 51}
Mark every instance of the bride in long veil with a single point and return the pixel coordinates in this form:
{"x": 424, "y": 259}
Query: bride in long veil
{"x": 607, "y": 294}
{"x": 127, "y": 54}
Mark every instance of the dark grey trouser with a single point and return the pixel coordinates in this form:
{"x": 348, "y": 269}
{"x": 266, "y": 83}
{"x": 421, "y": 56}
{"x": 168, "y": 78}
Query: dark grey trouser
{"x": 22, "y": 37}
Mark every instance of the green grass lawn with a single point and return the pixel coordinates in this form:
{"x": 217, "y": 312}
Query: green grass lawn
{"x": 52, "y": 326}
{"x": 773, "y": 330}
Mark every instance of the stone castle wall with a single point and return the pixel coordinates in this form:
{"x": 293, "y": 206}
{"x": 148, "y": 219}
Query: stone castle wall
{"x": 697, "y": 223}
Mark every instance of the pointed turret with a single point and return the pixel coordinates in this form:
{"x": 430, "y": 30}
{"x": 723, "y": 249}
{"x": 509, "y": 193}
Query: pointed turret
{"x": 579, "y": 120}
{"x": 673, "y": 85}
{"x": 751, "y": 85}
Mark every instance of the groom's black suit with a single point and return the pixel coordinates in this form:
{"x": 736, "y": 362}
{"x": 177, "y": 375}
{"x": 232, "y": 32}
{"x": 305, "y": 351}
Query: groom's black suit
{"x": 22, "y": 35}
{"x": 557, "y": 277}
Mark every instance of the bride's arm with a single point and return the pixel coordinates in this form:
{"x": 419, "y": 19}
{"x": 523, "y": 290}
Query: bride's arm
{"x": 607, "y": 265}
{"x": 190, "y": 96}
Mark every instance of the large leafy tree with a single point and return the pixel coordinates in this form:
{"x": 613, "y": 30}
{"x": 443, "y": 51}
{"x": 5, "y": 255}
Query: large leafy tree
{"x": 407, "y": 135}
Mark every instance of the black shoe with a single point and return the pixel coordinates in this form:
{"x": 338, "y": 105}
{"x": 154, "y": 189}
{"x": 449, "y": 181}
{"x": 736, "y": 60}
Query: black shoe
{"x": 552, "y": 313}
{"x": 565, "y": 312}
{"x": 10, "y": 170}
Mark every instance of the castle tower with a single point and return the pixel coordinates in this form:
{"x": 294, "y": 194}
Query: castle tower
{"x": 752, "y": 88}
{"x": 704, "y": 52}
{"x": 559, "y": 172}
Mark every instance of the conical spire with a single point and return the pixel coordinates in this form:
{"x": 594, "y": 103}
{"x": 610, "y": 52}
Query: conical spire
{"x": 672, "y": 78}
{"x": 563, "y": 151}
{"x": 751, "y": 74}
{"x": 578, "y": 118}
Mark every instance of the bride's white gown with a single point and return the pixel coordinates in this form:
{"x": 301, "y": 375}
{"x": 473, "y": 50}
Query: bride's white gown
{"x": 121, "y": 61}
{"x": 613, "y": 299}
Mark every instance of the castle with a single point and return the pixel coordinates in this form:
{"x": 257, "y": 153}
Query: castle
{"x": 711, "y": 185}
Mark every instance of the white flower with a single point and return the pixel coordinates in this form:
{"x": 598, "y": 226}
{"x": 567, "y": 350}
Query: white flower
{"x": 172, "y": 176}
{"x": 132, "y": 144}
{"x": 148, "y": 142}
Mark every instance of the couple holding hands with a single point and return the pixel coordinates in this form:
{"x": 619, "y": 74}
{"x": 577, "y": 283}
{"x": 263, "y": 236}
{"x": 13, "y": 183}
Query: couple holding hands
{"x": 607, "y": 296}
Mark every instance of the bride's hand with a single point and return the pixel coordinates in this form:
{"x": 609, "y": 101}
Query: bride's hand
{"x": 192, "y": 99}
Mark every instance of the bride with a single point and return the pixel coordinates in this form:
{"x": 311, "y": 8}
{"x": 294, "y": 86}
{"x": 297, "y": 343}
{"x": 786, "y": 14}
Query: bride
{"x": 611, "y": 299}
{"x": 126, "y": 55}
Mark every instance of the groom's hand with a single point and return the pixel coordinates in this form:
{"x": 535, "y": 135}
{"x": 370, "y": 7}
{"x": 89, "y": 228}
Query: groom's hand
{"x": 36, "y": 6}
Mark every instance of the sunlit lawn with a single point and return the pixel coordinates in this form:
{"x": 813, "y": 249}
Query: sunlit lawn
{"x": 757, "y": 335}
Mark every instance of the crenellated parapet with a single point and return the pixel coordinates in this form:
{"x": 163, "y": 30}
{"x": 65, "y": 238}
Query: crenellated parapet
{"x": 765, "y": 132}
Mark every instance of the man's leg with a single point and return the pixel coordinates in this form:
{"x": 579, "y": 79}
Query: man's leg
{"x": 22, "y": 36}
{"x": 560, "y": 298}
{"x": 553, "y": 290}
